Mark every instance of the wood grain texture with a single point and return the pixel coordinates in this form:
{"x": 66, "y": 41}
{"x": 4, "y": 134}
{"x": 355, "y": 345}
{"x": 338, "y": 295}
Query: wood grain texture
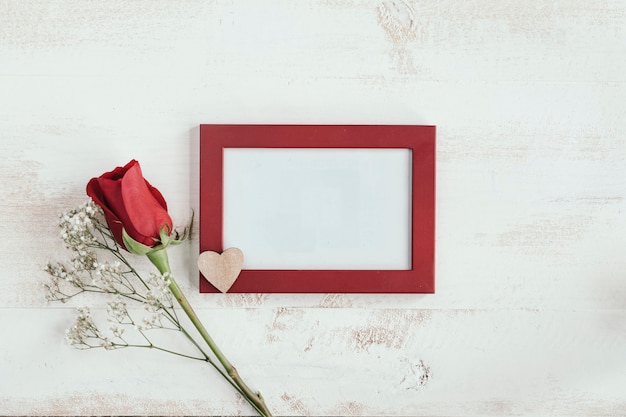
{"x": 529, "y": 317}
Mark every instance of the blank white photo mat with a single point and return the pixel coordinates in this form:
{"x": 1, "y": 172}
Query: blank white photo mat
{"x": 318, "y": 208}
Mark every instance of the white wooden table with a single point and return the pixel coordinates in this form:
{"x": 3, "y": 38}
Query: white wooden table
{"x": 529, "y": 317}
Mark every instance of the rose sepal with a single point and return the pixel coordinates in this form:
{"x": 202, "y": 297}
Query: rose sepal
{"x": 135, "y": 247}
{"x": 180, "y": 237}
{"x": 156, "y": 254}
{"x": 165, "y": 240}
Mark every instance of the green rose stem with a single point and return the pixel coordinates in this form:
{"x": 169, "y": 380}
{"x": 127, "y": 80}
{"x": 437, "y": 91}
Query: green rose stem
{"x": 160, "y": 260}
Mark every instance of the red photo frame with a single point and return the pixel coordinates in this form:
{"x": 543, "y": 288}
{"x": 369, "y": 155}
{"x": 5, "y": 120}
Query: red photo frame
{"x": 420, "y": 140}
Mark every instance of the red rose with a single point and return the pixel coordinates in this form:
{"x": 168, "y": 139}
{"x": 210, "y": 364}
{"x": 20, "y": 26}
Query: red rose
{"x": 130, "y": 203}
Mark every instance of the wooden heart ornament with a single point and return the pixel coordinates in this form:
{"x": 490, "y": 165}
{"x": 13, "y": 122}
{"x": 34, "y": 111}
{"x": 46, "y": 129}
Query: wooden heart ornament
{"x": 221, "y": 270}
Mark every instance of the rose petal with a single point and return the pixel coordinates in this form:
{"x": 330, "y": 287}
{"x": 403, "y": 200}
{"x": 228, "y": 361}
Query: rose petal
{"x": 157, "y": 195}
{"x": 146, "y": 214}
{"x": 95, "y": 192}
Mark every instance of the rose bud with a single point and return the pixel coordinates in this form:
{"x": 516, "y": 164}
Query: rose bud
{"x": 131, "y": 205}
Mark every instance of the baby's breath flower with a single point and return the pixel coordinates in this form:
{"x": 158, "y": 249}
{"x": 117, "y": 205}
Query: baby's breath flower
{"x": 117, "y": 331}
{"x": 52, "y": 289}
{"x": 60, "y": 276}
{"x": 82, "y": 330}
{"x": 117, "y": 311}
{"x": 84, "y": 333}
{"x": 57, "y": 270}
{"x": 159, "y": 294}
{"x": 106, "y": 343}
{"x": 85, "y": 261}
{"x": 77, "y": 226}
{"x": 107, "y": 276}
{"x": 153, "y": 321}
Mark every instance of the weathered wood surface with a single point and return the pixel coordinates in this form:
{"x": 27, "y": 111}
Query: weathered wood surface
{"x": 529, "y": 317}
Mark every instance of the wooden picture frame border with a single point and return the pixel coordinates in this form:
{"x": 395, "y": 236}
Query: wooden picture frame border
{"x": 214, "y": 138}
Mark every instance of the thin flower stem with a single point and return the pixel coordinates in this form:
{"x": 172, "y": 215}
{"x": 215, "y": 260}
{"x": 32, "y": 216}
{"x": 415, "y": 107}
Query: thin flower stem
{"x": 206, "y": 358}
{"x": 255, "y": 398}
{"x": 151, "y": 346}
{"x": 88, "y": 288}
{"x": 160, "y": 260}
{"x": 116, "y": 252}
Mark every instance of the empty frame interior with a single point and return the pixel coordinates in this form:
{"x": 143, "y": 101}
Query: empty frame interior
{"x": 314, "y": 208}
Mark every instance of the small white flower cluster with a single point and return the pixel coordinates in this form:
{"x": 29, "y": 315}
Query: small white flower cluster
{"x": 117, "y": 310}
{"x": 85, "y": 260}
{"x": 83, "y": 330}
{"x": 58, "y": 274}
{"x": 53, "y": 290}
{"x": 118, "y": 313}
{"x": 159, "y": 294}
{"x": 59, "y": 271}
{"x": 77, "y": 226}
{"x": 153, "y": 321}
{"x": 77, "y": 232}
{"x": 117, "y": 331}
{"x": 84, "y": 333}
{"x": 158, "y": 297}
{"x": 71, "y": 275}
{"x": 107, "y": 275}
